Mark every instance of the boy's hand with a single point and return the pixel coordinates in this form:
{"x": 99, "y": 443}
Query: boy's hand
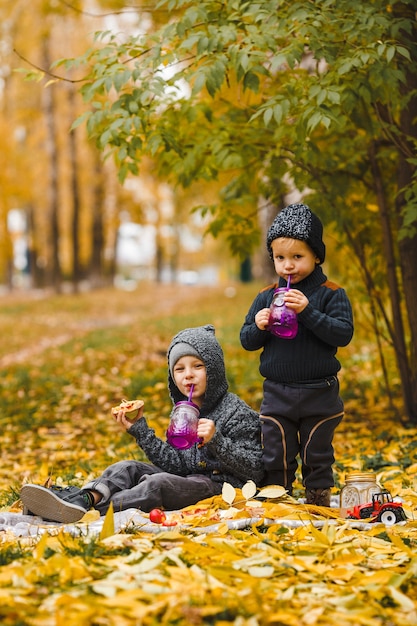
{"x": 205, "y": 429}
{"x": 125, "y": 422}
{"x": 296, "y": 300}
{"x": 262, "y": 319}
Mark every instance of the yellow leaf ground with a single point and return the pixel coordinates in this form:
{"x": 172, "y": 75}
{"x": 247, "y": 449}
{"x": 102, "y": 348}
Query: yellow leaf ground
{"x": 64, "y": 362}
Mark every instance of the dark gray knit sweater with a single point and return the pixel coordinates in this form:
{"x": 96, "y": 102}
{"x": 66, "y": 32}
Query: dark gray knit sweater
{"x": 324, "y": 325}
{"x": 234, "y": 454}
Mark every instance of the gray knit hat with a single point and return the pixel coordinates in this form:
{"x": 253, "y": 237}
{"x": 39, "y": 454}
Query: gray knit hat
{"x": 297, "y": 221}
{"x": 179, "y": 350}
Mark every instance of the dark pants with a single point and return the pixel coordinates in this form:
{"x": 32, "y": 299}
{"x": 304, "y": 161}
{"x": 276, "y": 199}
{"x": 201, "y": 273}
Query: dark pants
{"x": 138, "y": 485}
{"x": 300, "y": 420}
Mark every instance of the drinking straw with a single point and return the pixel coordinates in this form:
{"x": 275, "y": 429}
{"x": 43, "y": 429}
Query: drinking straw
{"x": 191, "y": 393}
{"x": 289, "y": 281}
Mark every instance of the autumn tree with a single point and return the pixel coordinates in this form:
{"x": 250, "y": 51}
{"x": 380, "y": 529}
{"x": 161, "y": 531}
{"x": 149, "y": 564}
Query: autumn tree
{"x": 54, "y": 177}
{"x": 270, "y": 96}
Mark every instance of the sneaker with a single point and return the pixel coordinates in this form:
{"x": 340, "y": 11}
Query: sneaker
{"x": 318, "y": 497}
{"x": 56, "y": 504}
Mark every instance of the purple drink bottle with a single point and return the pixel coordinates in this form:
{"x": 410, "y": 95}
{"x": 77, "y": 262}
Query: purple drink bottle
{"x": 182, "y": 429}
{"x": 282, "y": 320}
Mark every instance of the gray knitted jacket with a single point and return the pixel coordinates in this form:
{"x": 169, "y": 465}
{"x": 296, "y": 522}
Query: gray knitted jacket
{"x": 234, "y": 454}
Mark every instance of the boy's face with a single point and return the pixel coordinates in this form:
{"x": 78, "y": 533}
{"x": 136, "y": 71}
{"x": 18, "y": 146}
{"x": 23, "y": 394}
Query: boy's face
{"x": 187, "y": 371}
{"x": 294, "y": 258}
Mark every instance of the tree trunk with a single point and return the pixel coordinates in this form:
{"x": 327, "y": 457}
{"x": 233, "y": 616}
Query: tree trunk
{"x": 376, "y": 305}
{"x": 97, "y": 232}
{"x": 75, "y": 191}
{"x": 392, "y": 278}
{"x": 52, "y": 192}
{"x": 406, "y": 173}
{"x": 6, "y": 253}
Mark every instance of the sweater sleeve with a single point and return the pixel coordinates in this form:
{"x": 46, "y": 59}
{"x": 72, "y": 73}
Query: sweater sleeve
{"x": 234, "y": 454}
{"x": 236, "y": 446}
{"x": 162, "y": 454}
{"x": 334, "y": 324}
{"x": 251, "y": 337}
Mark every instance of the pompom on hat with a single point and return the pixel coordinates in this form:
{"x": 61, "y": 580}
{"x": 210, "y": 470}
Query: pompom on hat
{"x": 297, "y": 221}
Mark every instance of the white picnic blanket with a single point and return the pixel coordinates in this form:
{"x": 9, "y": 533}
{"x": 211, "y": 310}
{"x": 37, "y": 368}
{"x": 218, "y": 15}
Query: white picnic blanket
{"x": 31, "y": 526}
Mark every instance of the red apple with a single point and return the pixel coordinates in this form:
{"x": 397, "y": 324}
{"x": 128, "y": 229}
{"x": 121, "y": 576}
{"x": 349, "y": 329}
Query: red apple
{"x": 157, "y": 516}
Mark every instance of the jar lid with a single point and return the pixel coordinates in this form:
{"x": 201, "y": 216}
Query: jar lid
{"x": 361, "y": 476}
{"x": 187, "y": 403}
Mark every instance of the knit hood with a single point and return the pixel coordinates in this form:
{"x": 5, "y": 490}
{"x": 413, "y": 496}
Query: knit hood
{"x": 202, "y": 341}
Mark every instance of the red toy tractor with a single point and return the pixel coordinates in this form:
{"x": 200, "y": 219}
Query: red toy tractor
{"x": 381, "y": 509}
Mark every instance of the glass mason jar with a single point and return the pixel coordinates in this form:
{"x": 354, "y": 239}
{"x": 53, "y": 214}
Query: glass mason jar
{"x": 182, "y": 429}
{"x": 283, "y": 321}
{"x": 358, "y": 489}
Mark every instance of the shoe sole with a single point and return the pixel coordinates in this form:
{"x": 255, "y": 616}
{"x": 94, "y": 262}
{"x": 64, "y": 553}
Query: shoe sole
{"x": 44, "y": 503}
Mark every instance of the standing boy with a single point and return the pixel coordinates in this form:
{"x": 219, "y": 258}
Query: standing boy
{"x": 301, "y": 405}
{"x": 230, "y": 450}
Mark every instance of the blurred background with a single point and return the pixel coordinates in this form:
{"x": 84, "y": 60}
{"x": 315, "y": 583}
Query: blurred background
{"x": 69, "y": 223}
{"x": 66, "y": 222}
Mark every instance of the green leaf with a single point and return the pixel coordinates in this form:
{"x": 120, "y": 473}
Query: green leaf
{"x": 404, "y": 52}
{"x": 251, "y": 81}
{"x": 278, "y": 113}
{"x": 267, "y": 116}
{"x": 199, "y": 83}
{"x": 390, "y": 53}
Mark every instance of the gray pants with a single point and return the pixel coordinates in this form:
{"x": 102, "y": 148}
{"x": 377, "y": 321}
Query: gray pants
{"x": 138, "y": 485}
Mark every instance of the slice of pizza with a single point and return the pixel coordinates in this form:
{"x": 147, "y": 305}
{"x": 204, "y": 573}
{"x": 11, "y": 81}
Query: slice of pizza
{"x": 131, "y": 408}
